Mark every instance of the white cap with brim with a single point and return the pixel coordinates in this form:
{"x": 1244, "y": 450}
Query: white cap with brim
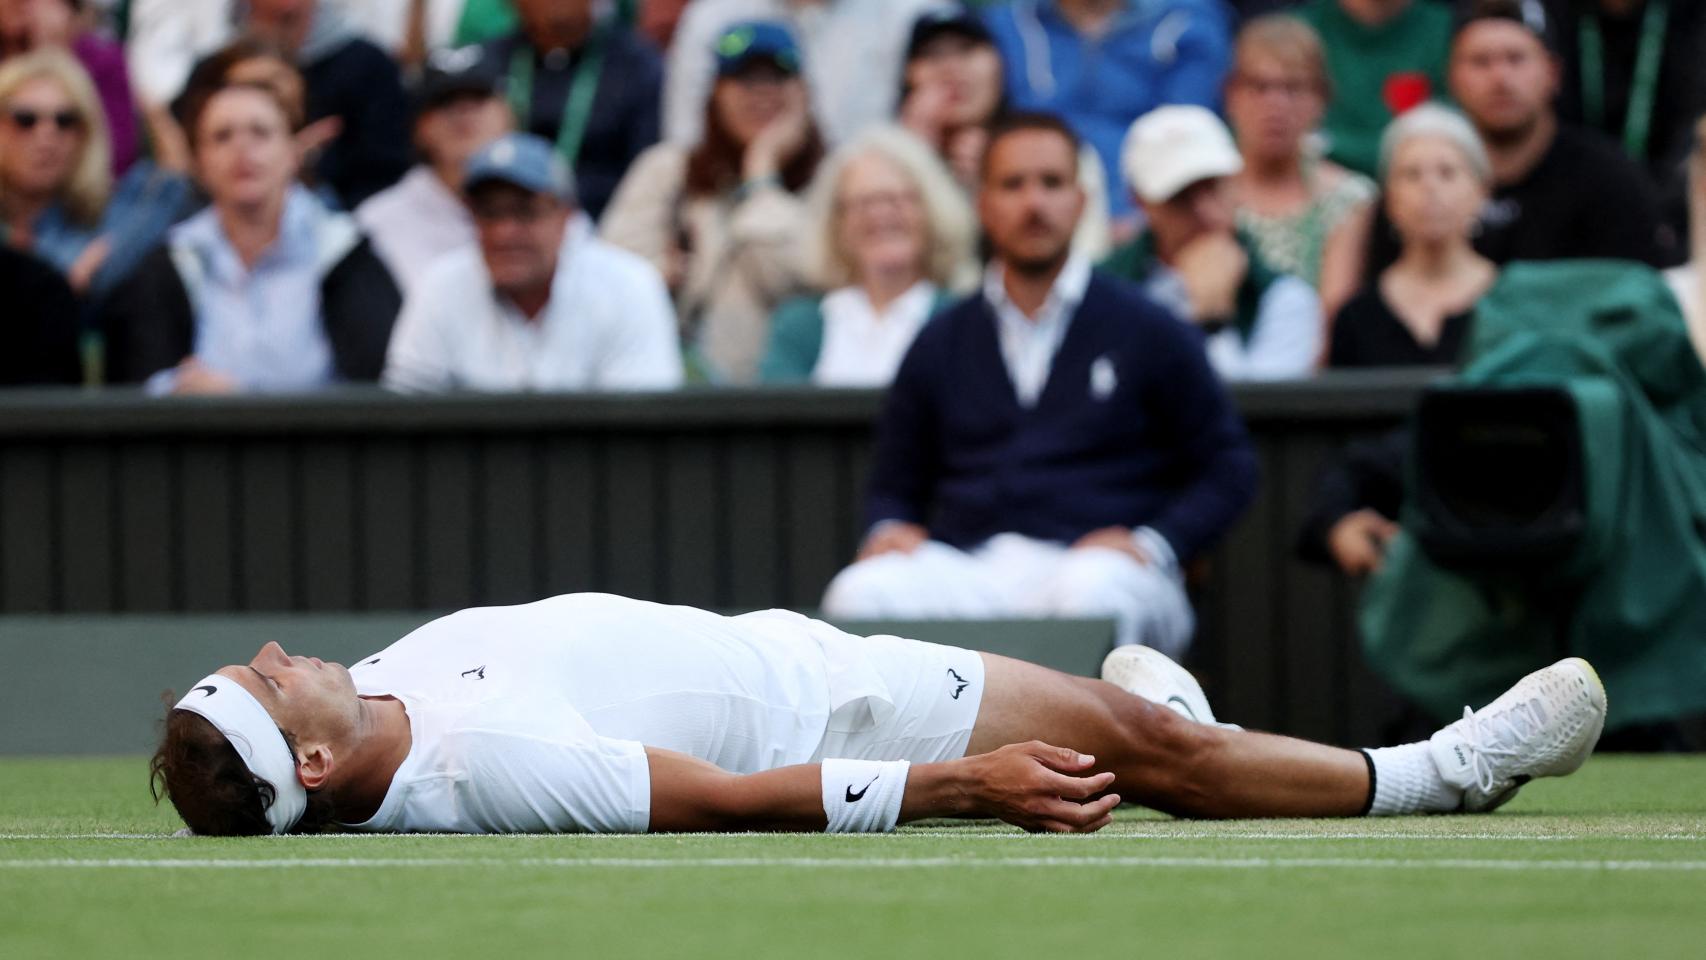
{"x": 1170, "y": 148}
{"x": 246, "y": 724}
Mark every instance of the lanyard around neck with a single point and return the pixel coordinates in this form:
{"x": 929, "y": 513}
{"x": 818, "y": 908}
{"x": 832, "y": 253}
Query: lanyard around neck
{"x": 577, "y": 109}
{"x": 1643, "y": 88}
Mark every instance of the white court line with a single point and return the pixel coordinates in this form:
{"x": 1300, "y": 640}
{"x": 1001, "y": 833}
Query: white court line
{"x": 888, "y": 863}
{"x": 947, "y": 834}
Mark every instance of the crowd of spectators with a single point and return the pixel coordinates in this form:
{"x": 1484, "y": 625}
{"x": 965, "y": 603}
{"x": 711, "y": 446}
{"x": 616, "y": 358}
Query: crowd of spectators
{"x": 220, "y": 196}
{"x": 800, "y": 174}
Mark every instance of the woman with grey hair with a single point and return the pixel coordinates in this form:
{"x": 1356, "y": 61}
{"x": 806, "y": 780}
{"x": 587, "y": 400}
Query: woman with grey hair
{"x": 889, "y": 236}
{"x": 1436, "y": 178}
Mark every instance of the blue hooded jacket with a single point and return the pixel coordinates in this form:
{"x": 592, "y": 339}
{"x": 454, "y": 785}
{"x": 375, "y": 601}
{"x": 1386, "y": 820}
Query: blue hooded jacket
{"x": 1153, "y": 53}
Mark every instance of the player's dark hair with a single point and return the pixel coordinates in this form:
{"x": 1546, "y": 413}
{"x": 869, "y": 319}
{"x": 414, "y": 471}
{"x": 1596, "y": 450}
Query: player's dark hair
{"x": 1026, "y": 121}
{"x": 215, "y": 793}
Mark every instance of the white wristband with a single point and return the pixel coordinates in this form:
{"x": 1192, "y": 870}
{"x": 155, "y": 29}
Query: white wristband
{"x": 863, "y": 796}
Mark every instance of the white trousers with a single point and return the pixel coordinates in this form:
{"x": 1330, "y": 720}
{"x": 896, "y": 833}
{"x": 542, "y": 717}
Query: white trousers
{"x": 1015, "y": 576}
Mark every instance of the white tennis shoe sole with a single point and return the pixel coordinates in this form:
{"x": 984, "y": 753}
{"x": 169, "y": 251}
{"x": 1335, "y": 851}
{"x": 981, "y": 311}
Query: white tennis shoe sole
{"x": 1150, "y": 674}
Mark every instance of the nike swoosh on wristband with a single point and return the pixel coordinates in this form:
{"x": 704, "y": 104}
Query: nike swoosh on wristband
{"x": 856, "y": 797}
{"x": 210, "y": 688}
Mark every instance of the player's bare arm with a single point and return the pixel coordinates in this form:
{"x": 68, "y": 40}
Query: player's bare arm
{"x": 1032, "y": 785}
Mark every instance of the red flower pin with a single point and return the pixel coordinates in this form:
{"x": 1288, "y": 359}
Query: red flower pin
{"x": 1406, "y": 90}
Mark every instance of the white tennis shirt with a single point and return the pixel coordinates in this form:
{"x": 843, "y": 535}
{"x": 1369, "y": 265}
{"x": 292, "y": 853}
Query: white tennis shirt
{"x": 534, "y": 718}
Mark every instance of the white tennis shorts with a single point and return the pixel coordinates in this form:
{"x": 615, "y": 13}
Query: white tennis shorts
{"x": 935, "y": 691}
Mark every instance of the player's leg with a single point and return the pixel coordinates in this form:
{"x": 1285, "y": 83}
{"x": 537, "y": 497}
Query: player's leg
{"x": 1161, "y": 759}
{"x": 1545, "y": 725}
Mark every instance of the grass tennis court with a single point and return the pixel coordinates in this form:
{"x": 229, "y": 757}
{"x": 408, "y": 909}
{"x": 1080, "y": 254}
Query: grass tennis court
{"x": 1608, "y": 863}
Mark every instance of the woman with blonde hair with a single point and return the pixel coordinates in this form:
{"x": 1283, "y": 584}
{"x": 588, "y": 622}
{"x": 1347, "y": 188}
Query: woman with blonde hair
{"x": 890, "y": 237}
{"x": 55, "y": 166}
{"x": 57, "y": 196}
{"x": 1306, "y": 214}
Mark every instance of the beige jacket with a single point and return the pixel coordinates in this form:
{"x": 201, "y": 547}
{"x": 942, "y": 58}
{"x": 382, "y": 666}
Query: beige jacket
{"x": 743, "y": 255}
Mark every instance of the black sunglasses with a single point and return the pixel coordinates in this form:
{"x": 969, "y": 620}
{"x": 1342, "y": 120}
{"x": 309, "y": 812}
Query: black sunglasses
{"x": 65, "y": 120}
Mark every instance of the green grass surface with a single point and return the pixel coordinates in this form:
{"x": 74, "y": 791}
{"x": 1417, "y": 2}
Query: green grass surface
{"x": 1608, "y": 863}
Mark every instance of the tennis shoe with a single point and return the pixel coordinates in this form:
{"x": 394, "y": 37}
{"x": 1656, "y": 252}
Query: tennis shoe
{"x": 1150, "y": 674}
{"x": 1545, "y": 726}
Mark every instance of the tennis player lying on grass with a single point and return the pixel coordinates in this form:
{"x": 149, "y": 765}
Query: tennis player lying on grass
{"x": 591, "y": 712}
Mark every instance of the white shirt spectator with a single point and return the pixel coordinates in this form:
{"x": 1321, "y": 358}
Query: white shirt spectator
{"x": 851, "y": 50}
{"x": 863, "y": 347}
{"x": 167, "y": 37}
{"x": 609, "y": 325}
{"x": 261, "y": 324}
{"x": 414, "y": 223}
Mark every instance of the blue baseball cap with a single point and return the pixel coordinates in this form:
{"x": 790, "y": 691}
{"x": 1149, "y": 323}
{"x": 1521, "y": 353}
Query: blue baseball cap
{"x": 753, "y": 40}
{"x": 521, "y": 160}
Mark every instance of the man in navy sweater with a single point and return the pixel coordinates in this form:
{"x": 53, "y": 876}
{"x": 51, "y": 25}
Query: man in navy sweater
{"x": 1055, "y": 446}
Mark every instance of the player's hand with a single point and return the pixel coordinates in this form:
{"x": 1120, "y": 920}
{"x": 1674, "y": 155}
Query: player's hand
{"x": 1042, "y": 788}
{"x": 1113, "y": 538}
{"x": 1212, "y": 267}
{"x": 1358, "y": 541}
{"x": 893, "y": 538}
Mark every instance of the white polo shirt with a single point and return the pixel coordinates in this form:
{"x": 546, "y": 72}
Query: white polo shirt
{"x": 609, "y": 325}
{"x": 535, "y": 718}
{"x": 415, "y": 222}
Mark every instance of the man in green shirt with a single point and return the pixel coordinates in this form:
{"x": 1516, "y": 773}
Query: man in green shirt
{"x": 1383, "y": 57}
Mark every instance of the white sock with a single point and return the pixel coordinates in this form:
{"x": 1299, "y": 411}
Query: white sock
{"x": 1407, "y": 781}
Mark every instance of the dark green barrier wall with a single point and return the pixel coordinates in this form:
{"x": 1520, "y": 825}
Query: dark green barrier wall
{"x": 362, "y": 501}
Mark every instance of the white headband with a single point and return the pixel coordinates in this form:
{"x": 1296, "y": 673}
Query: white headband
{"x": 250, "y": 729}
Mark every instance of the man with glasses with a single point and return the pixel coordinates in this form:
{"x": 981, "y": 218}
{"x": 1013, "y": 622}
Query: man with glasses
{"x": 540, "y": 303}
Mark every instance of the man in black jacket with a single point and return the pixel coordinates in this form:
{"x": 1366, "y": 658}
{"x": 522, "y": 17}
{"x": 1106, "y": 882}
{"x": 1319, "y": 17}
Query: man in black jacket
{"x": 590, "y": 88}
{"x": 1559, "y": 191}
{"x": 349, "y": 81}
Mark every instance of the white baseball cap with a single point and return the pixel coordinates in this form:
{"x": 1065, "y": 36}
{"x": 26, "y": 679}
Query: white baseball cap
{"x": 1170, "y": 148}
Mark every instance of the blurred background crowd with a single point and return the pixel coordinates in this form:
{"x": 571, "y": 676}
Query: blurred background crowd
{"x": 210, "y": 196}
